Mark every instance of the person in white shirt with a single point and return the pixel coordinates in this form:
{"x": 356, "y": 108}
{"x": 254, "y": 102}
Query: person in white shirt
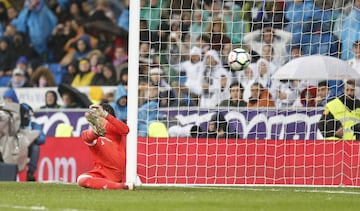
{"x": 215, "y": 79}
{"x": 355, "y": 63}
{"x": 277, "y": 38}
{"x": 191, "y": 69}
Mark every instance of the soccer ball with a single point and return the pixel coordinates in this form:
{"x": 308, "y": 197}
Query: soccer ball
{"x": 238, "y": 59}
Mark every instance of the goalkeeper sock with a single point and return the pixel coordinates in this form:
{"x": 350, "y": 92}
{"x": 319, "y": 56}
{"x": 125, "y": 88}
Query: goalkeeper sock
{"x": 100, "y": 183}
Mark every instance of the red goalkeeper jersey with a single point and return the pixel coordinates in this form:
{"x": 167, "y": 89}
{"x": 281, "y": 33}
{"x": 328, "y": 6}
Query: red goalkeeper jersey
{"x": 108, "y": 152}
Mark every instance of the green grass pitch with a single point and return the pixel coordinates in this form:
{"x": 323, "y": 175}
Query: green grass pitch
{"x": 70, "y": 197}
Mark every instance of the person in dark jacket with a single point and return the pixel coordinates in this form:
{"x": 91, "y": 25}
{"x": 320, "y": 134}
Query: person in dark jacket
{"x": 218, "y": 127}
{"x": 26, "y": 113}
{"x": 341, "y": 117}
{"x": 236, "y": 96}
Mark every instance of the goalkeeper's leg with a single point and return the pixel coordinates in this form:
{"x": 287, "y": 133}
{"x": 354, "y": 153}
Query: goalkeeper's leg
{"x": 88, "y": 181}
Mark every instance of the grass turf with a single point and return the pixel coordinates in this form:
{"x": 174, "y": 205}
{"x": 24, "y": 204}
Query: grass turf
{"x": 69, "y": 197}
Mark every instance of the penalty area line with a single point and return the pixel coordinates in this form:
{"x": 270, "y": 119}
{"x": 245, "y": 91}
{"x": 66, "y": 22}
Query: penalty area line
{"x": 296, "y": 190}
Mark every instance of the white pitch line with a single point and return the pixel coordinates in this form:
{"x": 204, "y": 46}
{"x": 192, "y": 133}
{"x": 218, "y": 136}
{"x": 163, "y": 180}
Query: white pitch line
{"x": 282, "y": 190}
{"x": 24, "y": 207}
{"x": 38, "y": 208}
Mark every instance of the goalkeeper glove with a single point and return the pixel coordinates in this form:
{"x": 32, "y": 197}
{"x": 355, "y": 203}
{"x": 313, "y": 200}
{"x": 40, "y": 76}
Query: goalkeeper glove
{"x": 99, "y": 111}
{"x": 95, "y": 124}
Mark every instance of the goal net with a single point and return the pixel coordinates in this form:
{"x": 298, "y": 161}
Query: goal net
{"x": 289, "y": 117}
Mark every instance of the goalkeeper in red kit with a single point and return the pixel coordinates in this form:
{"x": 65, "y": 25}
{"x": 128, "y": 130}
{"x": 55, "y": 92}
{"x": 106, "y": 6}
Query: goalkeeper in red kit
{"x": 106, "y": 138}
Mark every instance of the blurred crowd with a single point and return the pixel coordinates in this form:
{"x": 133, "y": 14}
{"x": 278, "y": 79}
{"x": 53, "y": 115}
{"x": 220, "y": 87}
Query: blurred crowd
{"x": 183, "y": 50}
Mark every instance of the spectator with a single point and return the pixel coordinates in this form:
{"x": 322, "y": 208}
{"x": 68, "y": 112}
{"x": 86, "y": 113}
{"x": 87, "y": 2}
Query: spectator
{"x": 197, "y": 26}
{"x": 21, "y": 46}
{"x": 3, "y": 18}
{"x": 76, "y": 10}
{"x": 217, "y": 31}
{"x": 218, "y": 127}
{"x": 317, "y": 37}
{"x": 253, "y": 14}
{"x": 123, "y": 20}
{"x": 176, "y": 48}
{"x": 196, "y": 132}
{"x": 7, "y": 57}
{"x": 50, "y": 100}
{"x": 323, "y": 93}
{"x": 151, "y": 11}
{"x": 95, "y": 57}
{"x": 263, "y": 75}
{"x": 298, "y": 13}
{"x": 246, "y": 79}
{"x": 120, "y": 56}
{"x": 236, "y": 96}
{"x": 190, "y": 71}
{"x": 69, "y": 101}
{"x": 156, "y": 79}
{"x": 234, "y": 24}
{"x": 106, "y": 78}
{"x": 307, "y": 97}
{"x": 77, "y": 25}
{"x": 82, "y": 48}
{"x": 286, "y": 92}
{"x": 123, "y": 79}
{"x": 120, "y": 103}
{"x": 71, "y": 71}
{"x": 12, "y": 13}
{"x": 19, "y": 79}
{"x": 339, "y": 120}
{"x": 278, "y": 39}
{"x": 10, "y": 96}
{"x": 260, "y": 97}
{"x": 213, "y": 74}
{"x": 148, "y": 112}
{"x": 84, "y": 76}
{"x": 23, "y": 64}
{"x": 350, "y": 31}
{"x": 160, "y": 39}
{"x": 42, "y": 77}
{"x": 267, "y": 53}
{"x": 58, "y": 39}
{"x": 102, "y": 12}
{"x": 355, "y": 63}
{"x": 26, "y": 113}
{"x": 295, "y": 52}
{"x": 275, "y": 16}
{"x": 42, "y": 21}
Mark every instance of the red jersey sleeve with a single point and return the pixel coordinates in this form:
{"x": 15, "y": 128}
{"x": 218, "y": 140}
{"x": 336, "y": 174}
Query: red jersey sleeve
{"x": 116, "y": 126}
{"x": 88, "y": 135}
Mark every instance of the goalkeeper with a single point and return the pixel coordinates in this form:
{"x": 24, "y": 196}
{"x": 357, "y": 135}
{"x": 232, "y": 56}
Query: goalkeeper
{"x": 106, "y": 138}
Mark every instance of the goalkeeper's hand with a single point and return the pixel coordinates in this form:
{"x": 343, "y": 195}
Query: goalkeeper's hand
{"x": 95, "y": 124}
{"x": 98, "y": 110}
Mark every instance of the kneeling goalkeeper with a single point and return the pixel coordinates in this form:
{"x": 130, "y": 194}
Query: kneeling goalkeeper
{"x": 106, "y": 138}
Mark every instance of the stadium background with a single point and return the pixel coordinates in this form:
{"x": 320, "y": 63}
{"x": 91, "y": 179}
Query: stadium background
{"x": 274, "y": 149}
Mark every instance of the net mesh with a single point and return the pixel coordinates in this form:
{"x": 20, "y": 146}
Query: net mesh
{"x": 201, "y": 122}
